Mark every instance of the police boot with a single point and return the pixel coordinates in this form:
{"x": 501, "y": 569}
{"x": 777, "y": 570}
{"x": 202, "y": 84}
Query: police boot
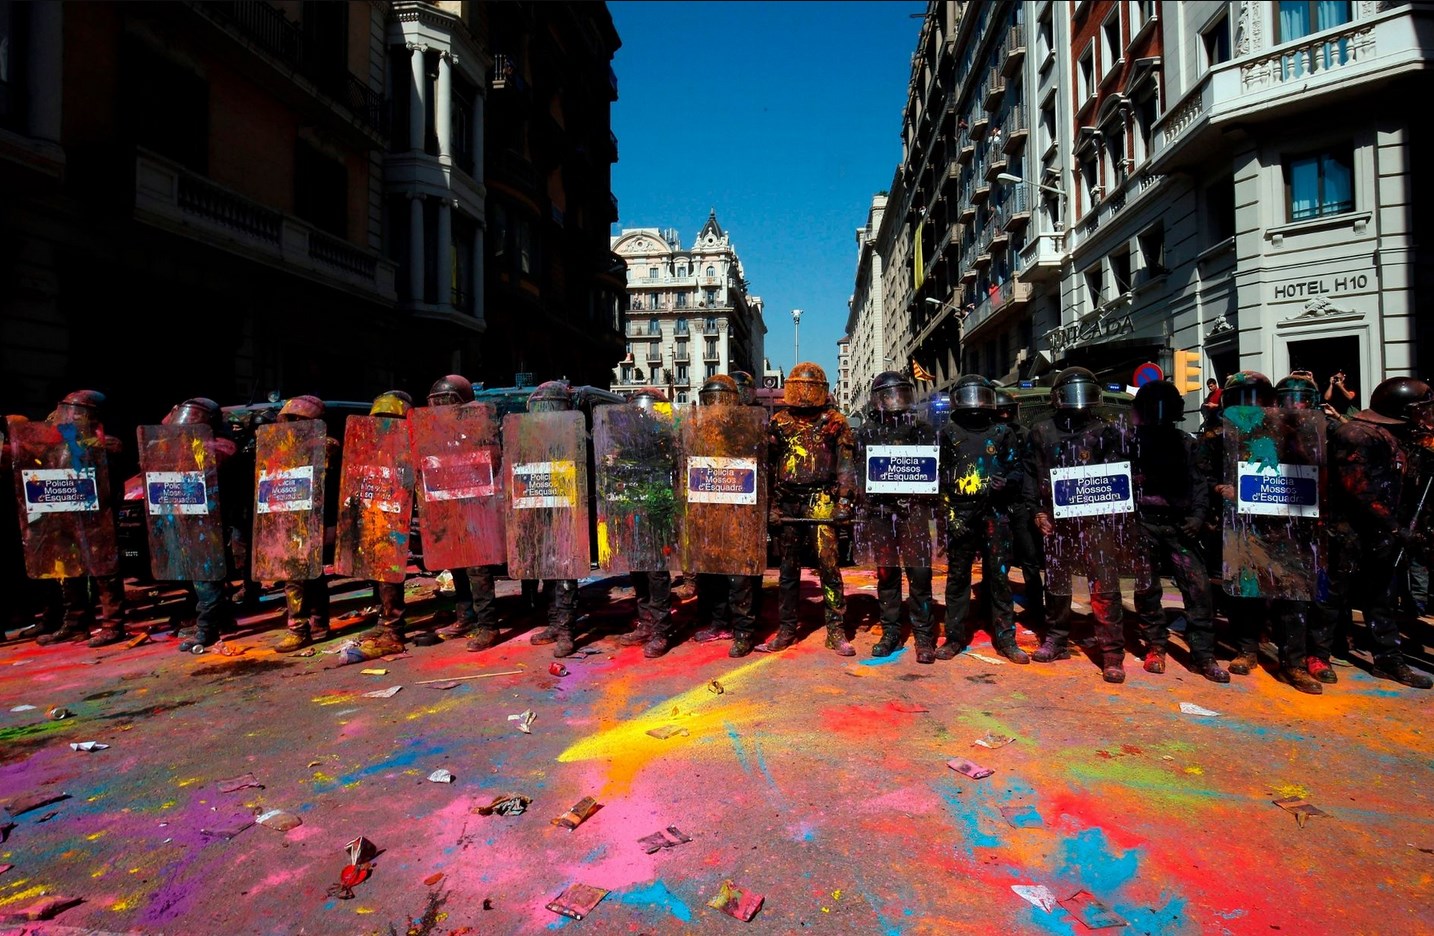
{"x": 1154, "y": 661}
{"x": 785, "y": 637}
{"x": 482, "y": 639}
{"x": 296, "y": 639}
{"x": 1051, "y": 650}
{"x": 111, "y": 632}
{"x": 742, "y": 645}
{"x": 1113, "y": 670}
{"x": 890, "y": 641}
{"x": 563, "y": 643}
{"x": 639, "y": 635}
{"x": 1245, "y": 663}
{"x": 657, "y": 644}
{"x": 200, "y": 638}
{"x": 926, "y": 651}
{"x": 712, "y": 632}
{"x": 544, "y": 637}
{"x": 1212, "y": 671}
{"x": 1321, "y": 670}
{"x": 1300, "y": 678}
{"x": 1009, "y": 650}
{"x": 836, "y": 641}
{"x": 1396, "y": 669}
{"x": 67, "y": 632}
{"x": 462, "y": 627}
{"x": 953, "y": 646}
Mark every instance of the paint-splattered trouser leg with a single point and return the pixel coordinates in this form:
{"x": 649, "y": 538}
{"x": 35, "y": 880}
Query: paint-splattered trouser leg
{"x": 1382, "y": 583}
{"x": 923, "y": 625}
{"x": 79, "y": 609}
{"x": 654, "y": 601}
{"x": 741, "y": 598}
{"x": 888, "y": 595}
{"x": 960, "y": 553}
{"x": 1166, "y": 540}
{"x": 481, "y": 604}
{"x": 1247, "y": 619}
{"x": 562, "y": 604}
{"x": 1330, "y": 613}
{"x": 713, "y": 599}
{"x": 829, "y": 572}
{"x": 1026, "y": 549}
{"x": 211, "y": 610}
{"x": 307, "y": 603}
{"x": 1291, "y": 620}
{"x": 1109, "y": 614}
{"x": 391, "y": 605}
{"x": 995, "y": 569}
{"x": 789, "y": 578}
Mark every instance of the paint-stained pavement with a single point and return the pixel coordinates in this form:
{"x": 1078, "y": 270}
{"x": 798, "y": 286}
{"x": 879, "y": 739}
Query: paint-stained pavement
{"x": 819, "y": 782}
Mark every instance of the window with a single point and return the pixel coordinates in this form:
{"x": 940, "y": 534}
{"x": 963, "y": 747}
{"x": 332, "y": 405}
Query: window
{"x": 709, "y": 349}
{"x": 1216, "y": 40}
{"x": 1299, "y": 18}
{"x": 1048, "y": 126}
{"x": 1087, "y": 76}
{"x": 652, "y": 272}
{"x": 1319, "y": 184}
{"x": 711, "y": 271}
{"x": 1220, "y": 210}
{"x": 1120, "y": 272}
{"x": 165, "y": 106}
{"x": 711, "y": 371}
{"x": 321, "y": 189}
{"x": 636, "y": 302}
{"x": 1094, "y": 287}
{"x": 653, "y": 328}
{"x": 1152, "y": 250}
{"x": 525, "y": 246}
{"x": 682, "y": 397}
{"x": 682, "y": 300}
{"x": 1045, "y": 39}
{"x": 1110, "y": 34}
{"x": 1113, "y": 149}
{"x": 1147, "y": 108}
{"x": 682, "y": 269}
{"x": 1141, "y": 12}
{"x": 682, "y": 373}
{"x": 710, "y": 297}
{"x": 681, "y": 327}
{"x": 652, "y": 301}
{"x": 1090, "y": 174}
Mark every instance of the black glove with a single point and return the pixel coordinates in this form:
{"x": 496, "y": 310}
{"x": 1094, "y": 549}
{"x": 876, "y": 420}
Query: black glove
{"x": 1193, "y": 526}
{"x": 844, "y": 510}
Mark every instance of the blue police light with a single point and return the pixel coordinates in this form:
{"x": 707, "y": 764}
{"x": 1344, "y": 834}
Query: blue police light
{"x": 1027, "y": 384}
{"x": 1114, "y": 386}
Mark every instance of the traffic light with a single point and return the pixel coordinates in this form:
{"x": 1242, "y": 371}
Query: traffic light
{"x": 1187, "y": 372}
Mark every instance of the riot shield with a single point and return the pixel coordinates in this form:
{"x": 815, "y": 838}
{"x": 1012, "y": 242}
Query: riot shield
{"x": 458, "y": 456}
{"x": 545, "y": 463}
{"x": 62, "y": 487}
{"x": 722, "y": 486}
{"x": 181, "y": 498}
{"x": 897, "y": 495}
{"x": 375, "y": 500}
{"x": 635, "y": 458}
{"x": 1274, "y": 460}
{"x": 1097, "y": 534}
{"x": 290, "y": 464}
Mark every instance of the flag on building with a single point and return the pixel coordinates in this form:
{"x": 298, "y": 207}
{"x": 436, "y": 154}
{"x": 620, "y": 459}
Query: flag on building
{"x": 920, "y": 265}
{"x": 920, "y": 373}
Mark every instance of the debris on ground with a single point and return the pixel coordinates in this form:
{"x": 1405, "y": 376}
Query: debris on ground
{"x": 47, "y": 908}
{"x": 446, "y": 684}
{"x": 239, "y": 783}
{"x": 138, "y": 641}
{"x": 279, "y": 820}
{"x": 506, "y": 804}
{"x": 736, "y": 902}
{"x": 664, "y": 732}
{"x": 993, "y": 740}
{"x": 557, "y": 669}
{"x": 524, "y": 720}
{"x": 440, "y": 776}
{"x": 1090, "y": 911}
{"x": 985, "y": 659}
{"x": 1301, "y": 807}
{"x": 361, "y": 851}
{"x": 969, "y": 768}
{"x": 663, "y": 838}
{"x": 1022, "y": 816}
{"x": 433, "y": 879}
{"x": 1038, "y": 895}
{"x": 58, "y": 712}
{"x": 430, "y": 682}
{"x": 1190, "y": 708}
{"x": 349, "y": 878}
{"x": 229, "y": 831}
{"x": 715, "y": 687}
{"x": 19, "y": 805}
{"x": 88, "y": 746}
{"x": 388, "y": 693}
{"x": 577, "y": 901}
{"x": 23, "y": 708}
{"x": 373, "y": 672}
{"x": 577, "y": 814}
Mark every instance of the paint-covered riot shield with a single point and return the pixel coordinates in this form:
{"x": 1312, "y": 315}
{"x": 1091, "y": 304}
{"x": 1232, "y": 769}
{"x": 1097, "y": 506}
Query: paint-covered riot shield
{"x": 722, "y": 485}
{"x": 635, "y": 459}
{"x": 62, "y": 487}
{"x": 180, "y": 470}
{"x": 1096, "y": 532}
{"x": 375, "y": 500}
{"x": 290, "y": 462}
{"x": 458, "y": 457}
{"x": 898, "y": 493}
{"x": 1274, "y": 461}
{"x": 546, "y": 476}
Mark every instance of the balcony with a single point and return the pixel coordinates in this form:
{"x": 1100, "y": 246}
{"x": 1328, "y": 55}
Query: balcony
{"x": 271, "y": 35}
{"x": 967, "y": 150}
{"x": 995, "y": 164}
{"x": 1043, "y": 257}
{"x": 981, "y": 191}
{"x": 611, "y": 147}
{"x": 1016, "y": 128}
{"x": 968, "y": 210}
{"x": 681, "y": 357}
{"x": 1018, "y": 207}
{"x": 980, "y": 123}
{"x": 611, "y": 84}
{"x": 995, "y": 89}
{"x": 612, "y": 214}
{"x": 173, "y": 198}
{"x": 1015, "y": 50}
{"x": 507, "y": 76}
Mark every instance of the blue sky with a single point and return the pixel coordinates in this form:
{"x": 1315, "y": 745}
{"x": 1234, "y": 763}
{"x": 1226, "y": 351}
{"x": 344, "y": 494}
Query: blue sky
{"x": 785, "y": 118}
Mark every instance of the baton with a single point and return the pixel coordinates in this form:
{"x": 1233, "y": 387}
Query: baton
{"x": 1414, "y": 522}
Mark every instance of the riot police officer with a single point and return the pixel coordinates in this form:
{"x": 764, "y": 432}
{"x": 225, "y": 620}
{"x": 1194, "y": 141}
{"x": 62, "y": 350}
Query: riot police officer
{"x": 894, "y": 528}
{"x": 652, "y": 587}
{"x": 1375, "y": 530}
{"x": 1172, "y": 501}
{"x": 1075, "y": 436}
{"x": 714, "y": 591}
{"x": 979, "y": 466}
{"x": 307, "y": 601}
{"x": 810, "y": 453}
{"x": 555, "y": 396}
{"x": 1014, "y": 513}
{"x": 392, "y": 628}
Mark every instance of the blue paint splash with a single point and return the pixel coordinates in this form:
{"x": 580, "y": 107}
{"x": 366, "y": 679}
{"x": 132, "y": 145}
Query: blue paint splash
{"x": 886, "y": 660}
{"x": 657, "y": 895}
{"x": 737, "y": 747}
{"x": 1089, "y": 860}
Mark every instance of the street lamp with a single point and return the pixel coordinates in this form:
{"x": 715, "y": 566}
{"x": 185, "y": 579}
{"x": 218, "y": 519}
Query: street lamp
{"x": 796, "y": 336}
{"x": 1017, "y": 180}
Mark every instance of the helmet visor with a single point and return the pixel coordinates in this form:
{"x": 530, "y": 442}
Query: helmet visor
{"x": 1421, "y": 415}
{"x": 897, "y": 399}
{"x": 719, "y": 397}
{"x": 973, "y": 396}
{"x": 1077, "y": 395}
{"x": 1299, "y": 399}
